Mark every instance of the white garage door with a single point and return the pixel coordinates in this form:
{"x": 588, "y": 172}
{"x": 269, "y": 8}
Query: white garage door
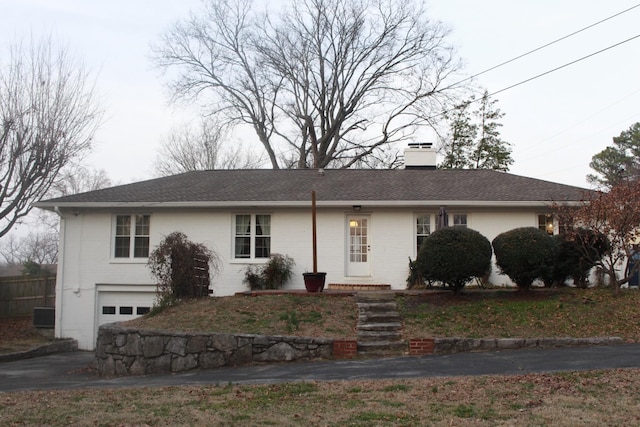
{"x": 121, "y": 306}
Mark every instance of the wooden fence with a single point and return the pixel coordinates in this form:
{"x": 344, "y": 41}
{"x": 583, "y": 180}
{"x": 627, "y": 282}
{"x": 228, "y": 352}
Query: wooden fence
{"x": 20, "y": 294}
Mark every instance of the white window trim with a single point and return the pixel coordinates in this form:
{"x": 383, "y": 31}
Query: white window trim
{"x": 433, "y": 218}
{"x": 414, "y": 231}
{"x": 554, "y": 222}
{"x": 452, "y": 215}
{"x": 112, "y": 246}
{"x": 251, "y": 259}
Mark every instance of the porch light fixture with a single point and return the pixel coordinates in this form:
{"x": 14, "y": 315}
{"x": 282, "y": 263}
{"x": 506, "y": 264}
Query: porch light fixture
{"x": 356, "y": 208}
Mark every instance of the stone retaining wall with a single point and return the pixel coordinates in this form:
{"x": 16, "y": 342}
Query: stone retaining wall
{"x": 129, "y": 351}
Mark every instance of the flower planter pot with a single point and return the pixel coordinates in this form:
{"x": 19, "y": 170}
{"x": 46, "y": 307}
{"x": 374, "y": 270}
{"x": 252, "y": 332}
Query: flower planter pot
{"x": 314, "y": 282}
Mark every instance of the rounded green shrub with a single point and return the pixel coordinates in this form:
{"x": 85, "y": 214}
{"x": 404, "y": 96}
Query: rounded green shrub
{"x": 525, "y": 254}
{"x": 566, "y": 264}
{"x": 578, "y": 252}
{"x": 454, "y": 256}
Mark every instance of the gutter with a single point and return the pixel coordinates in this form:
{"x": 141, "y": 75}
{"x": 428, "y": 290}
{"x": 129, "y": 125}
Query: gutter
{"x": 303, "y": 204}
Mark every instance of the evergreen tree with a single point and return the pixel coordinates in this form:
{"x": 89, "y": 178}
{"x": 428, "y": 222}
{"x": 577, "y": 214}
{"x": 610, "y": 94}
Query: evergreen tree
{"x": 619, "y": 162}
{"x": 491, "y": 152}
{"x": 459, "y": 142}
{"x": 473, "y": 140}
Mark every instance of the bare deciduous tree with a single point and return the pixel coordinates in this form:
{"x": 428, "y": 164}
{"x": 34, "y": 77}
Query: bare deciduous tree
{"x": 40, "y": 244}
{"x": 613, "y": 219}
{"x": 324, "y": 83}
{"x": 10, "y": 250}
{"x": 76, "y": 179}
{"x": 38, "y": 247}
{"x": 185, "y": 149}
{"x": 48, "y": 117}
{"x": 73, "y": 179}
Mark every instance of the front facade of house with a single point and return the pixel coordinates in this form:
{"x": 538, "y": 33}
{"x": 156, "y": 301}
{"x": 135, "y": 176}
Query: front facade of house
{"x": 369, "y": 223}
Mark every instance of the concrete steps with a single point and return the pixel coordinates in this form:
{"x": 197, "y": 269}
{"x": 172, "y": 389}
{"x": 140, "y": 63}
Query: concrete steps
{"x": 379, "y": 328}
{"x": 379, "y": 317}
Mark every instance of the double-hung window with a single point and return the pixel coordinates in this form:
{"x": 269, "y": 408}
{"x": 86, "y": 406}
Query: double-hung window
{"x": 132, "y": 236}
{"x": 460, "y": 220}
{"x": 252, "y": 236}
{"x": 423, "y": 229}
{"x": 551, "y": 225}
{"x": 545, "y": 223}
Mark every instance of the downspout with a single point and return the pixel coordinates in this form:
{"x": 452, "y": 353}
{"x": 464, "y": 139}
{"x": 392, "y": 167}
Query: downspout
{"x": 59, "y": 275}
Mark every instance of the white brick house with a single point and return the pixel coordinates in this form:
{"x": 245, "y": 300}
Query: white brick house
{"x": 369, "y": 223}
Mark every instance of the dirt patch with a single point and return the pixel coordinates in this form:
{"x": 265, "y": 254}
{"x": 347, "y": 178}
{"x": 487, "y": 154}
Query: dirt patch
{"x": 18, "y": 334}
{"x": 16, "y": 327}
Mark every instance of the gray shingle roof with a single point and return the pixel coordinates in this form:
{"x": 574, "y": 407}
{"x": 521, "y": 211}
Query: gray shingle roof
{"x": 295, "y": 185}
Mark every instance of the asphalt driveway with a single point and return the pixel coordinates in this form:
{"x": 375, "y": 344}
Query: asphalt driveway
{"x": 74, "y": 369}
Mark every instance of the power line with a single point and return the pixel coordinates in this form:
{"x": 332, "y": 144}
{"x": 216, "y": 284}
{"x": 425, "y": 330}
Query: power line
{"x": 544, "y": 74}
{"x": 546, "y": 45}
{"x": 565, "y": 65}
{"x": 580, "y": 139}
{"x": 551, "y": 137}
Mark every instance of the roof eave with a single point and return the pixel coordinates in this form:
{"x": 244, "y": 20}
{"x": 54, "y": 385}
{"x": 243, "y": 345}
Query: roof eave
{"x": 296, "y": 204}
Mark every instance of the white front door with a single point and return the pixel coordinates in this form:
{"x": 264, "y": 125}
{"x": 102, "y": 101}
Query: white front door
{"x": 358, "y": 245}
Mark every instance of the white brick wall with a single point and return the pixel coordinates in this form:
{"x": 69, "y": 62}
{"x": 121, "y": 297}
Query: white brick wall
{"x": 87, "y": 245}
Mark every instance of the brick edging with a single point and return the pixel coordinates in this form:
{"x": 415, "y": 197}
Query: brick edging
{"x": 419, "y": 346}
{"x": 345, "y": 349}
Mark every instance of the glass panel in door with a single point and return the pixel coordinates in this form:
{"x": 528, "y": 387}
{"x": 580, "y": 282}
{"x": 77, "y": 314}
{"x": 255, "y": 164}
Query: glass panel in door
{"x": 358, "y": 246}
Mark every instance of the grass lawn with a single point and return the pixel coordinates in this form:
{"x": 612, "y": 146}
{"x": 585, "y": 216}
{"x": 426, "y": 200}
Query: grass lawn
{"x": 565, "y": 312}
{"x": 565, "y": 399}
{"x": 594, "y": 398}
{"x": 318, "y": 315}
{"x": 473, "y": 314}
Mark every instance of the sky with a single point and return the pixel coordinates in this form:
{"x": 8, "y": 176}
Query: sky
{"x": 555, "y": 123}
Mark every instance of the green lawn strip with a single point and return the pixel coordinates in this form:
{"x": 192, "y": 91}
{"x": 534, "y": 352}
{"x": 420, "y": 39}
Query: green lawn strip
{"x": 565, "y": 399}
{"x": 538, "y": 313}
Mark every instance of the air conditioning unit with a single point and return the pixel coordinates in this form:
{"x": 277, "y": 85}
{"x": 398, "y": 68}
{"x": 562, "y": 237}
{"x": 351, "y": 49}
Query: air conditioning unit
{"x": 44, "y": 317}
